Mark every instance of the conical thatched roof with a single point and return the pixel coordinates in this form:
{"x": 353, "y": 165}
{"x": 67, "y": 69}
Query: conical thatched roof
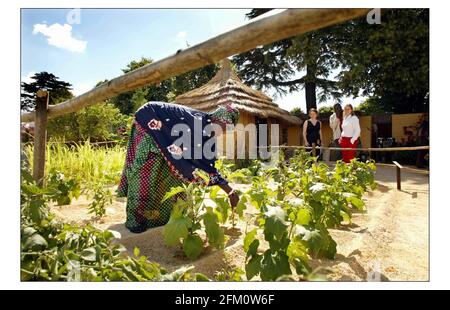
{"x": 225, "y": 86}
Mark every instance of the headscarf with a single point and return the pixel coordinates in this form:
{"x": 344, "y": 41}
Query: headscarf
{"x": 225, "y": 114}
{"x": 158, "y": 120}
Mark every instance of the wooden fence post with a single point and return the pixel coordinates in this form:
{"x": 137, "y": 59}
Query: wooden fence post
{"x": 314, "y": 150}
{"x": 399, "y": 175}
{"x": 40, "y": 136}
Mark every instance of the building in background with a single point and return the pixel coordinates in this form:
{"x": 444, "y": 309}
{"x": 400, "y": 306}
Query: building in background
{"x": 254, "y": 106}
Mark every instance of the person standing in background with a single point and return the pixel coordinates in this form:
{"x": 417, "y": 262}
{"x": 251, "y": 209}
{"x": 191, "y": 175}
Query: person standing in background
{"x": 336, "y": 125}
{"x": 312, "y": 131}
{"x": 423, "y": 139}
{"x": 350, "y": 133}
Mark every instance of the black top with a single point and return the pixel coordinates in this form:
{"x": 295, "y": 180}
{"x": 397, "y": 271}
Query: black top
{"x": 313, "y": 133}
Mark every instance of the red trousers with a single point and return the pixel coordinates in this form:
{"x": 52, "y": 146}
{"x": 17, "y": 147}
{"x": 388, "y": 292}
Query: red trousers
{"x": 347, "y": 156}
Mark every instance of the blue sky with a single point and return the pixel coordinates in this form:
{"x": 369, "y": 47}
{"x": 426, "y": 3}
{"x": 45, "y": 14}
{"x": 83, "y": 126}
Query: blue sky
{"x": 86, "y": 46}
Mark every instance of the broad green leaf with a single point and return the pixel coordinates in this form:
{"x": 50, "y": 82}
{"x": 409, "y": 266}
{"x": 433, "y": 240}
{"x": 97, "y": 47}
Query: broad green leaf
{"x": 89, "y": 254}
{"x": 257, "y": 198}
{"x": 315, "y": 241}
{"x": 214, "y": 232}
{"x": 199, "y": 277}
{"x": 356, "y": 202}
{"x": 274, "y": 225}
{"x": 249, "y": 237}
{"x": 193, "y": 246}
{"x": 276, "y": 212}
{"x": 345, "y": 216}
{"x": 297, "y": 249}
{"x": 173, "y": 191}
{"x": 27, "y": 232}
{"x": 241, "y": 206}
{"x": 279, "y": 244}
{"x": 330, "y": 250}
{"x": 213, "y": 193}
{"x": 321, "y": 244}
{"x": 274, "y": 266}
{"x": 303, "y": 217}
{"x": 177, "y": 227}
{"x": 222, "y": 209}
{"x": 253, "y": 267}
{"x": 253, "y": 248}
{"x": 37, "y": 210}
{"x": 178, "y": 274}
{"x": 35, "y": 242}
{"x": 301, "y": 267}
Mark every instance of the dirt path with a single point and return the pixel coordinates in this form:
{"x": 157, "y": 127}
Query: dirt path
{"x": 389, "y": 242}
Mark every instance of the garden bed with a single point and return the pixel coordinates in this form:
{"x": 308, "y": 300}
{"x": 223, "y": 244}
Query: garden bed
{"x": 391, "y": 237}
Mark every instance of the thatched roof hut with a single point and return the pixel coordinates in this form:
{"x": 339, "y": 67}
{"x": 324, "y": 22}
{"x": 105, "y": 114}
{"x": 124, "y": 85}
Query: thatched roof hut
{"x": 226, "y": 85}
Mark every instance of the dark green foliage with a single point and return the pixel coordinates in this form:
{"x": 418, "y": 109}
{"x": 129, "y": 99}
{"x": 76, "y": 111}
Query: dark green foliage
{"x": 59, "y": 90}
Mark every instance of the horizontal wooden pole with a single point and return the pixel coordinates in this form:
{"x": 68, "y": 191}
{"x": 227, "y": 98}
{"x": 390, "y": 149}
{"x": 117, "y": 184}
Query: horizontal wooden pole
{"x": 371, "y": 149}
{"x": 260, "y": 32}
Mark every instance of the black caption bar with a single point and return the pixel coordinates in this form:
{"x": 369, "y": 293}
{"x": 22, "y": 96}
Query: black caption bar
{"x": 202, "y": 299}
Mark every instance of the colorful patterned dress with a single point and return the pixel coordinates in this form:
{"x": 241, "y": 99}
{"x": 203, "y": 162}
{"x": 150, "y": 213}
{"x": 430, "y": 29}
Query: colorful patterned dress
{"x": 145, "y": 180}
{"x": 150, "y": 170}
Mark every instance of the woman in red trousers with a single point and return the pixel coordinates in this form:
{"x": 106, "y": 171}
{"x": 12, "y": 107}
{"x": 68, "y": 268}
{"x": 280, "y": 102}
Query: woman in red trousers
{"x": 350, "y": 133}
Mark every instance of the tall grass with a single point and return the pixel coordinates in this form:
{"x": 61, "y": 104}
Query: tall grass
{"x": 85, "y": 162}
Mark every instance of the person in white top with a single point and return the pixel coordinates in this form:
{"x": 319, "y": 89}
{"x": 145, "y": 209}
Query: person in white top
{"x": 336, "y": 125}
{"x": 350, "y": 133}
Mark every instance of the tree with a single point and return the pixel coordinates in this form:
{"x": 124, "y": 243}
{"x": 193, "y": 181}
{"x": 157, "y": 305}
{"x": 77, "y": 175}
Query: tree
{"x": 167, "y": 90}
{"x": 326, "y": 110}
{"x": 389, "y": 61}
{"x": 59, "y": 90}
{"x": 129, "y": 102}
{"x": 192, "y": 79}
{"x": 98, "y": 122}
{"x": 297, "y": 111}
{"x": 369, "y": 107}
{"x": 275, "y": 65}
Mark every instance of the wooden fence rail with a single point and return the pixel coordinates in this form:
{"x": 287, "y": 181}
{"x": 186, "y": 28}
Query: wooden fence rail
{"x": 367, "y": 149}
{"x": 259, "y": 32}
{"x": 264, "y": 31}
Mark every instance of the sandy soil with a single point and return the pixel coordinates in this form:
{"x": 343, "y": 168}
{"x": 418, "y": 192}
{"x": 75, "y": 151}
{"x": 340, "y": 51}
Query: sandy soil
{"x": 388, "y": 242}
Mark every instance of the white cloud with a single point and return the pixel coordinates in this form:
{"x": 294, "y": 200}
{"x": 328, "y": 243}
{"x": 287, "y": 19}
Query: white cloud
{"x": 27, "y": 78}
{"x": 81, "y": 88}
{"x": 60, "y": 36}
{"x": 181, "y": 39}
{"x": 182, "y": 34}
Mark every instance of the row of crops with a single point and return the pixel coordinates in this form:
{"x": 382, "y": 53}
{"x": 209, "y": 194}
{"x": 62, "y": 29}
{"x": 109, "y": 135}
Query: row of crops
{"x": 287, "y": 211}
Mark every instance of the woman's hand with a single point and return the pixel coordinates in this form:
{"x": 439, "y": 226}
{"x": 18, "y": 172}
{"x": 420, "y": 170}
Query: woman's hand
{"x": 232, "y": 195}
{"x": 234, "y": 199}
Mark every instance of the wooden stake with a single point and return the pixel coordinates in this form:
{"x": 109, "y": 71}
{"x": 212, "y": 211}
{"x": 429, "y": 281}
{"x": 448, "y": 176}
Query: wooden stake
{"x": 40, "y": 136}
{"x": 399, "y": 175}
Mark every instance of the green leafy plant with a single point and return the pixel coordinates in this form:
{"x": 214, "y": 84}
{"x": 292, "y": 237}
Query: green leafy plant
{"x": 68, "y": 188}
{"x": 232, "y": 274}
{"x": 298, "y": 201}
{"x": 102, "y": 197}
{"x": 229, "y": 171}
{"x": 191, "y": 215}
{"x": 51, "y": 251}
